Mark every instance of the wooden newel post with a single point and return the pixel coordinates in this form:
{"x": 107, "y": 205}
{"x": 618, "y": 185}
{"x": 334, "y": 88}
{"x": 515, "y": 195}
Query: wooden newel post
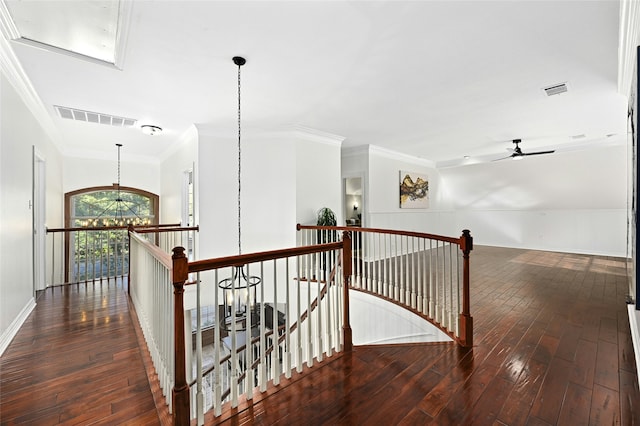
{"x": 346, "y": 271}
{"x": 466, "y": 321}
{"x": 181, "y": 411}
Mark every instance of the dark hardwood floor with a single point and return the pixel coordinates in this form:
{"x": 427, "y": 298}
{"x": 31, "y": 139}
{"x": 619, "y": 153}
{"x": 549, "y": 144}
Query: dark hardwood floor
{"x": 552, "y": 347}
{"x": 76, "y": 360}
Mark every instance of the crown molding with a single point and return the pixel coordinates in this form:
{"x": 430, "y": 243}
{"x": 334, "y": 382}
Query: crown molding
{"x": 7, "y": 26}
{"x": 122, "y": 34}
{"x": 628, "y": 42}
{"x": 355, "y": 151}
{"x": 384, "y": 152}
{"x": 315, "y": 135}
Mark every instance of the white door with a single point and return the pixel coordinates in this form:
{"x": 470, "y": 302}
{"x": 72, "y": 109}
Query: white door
{"x": 38, "y": 213}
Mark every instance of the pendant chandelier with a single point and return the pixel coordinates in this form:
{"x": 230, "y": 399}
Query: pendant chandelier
{"x": 240, "y": 289}
{"x": 118, "y": 211}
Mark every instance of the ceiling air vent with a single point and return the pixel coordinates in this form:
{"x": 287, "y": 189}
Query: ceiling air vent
{"x": 94, "y": 117}
{"x": 556, "y": 89}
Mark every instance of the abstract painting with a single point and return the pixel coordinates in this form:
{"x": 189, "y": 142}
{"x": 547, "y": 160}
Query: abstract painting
{"x": 414, "y": 190}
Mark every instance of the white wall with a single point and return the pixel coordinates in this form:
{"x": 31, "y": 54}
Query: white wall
{"x": 318, "y": 182}
{"x": 88, "y": 172}
{"x": 384, "y": 196}
{"x": 19, "y": 132}
{"x": 182, "y": 158}
{"x": 273, "y": 199}
{"x": 569, "y": 201}
{"x": 268, "y": 193}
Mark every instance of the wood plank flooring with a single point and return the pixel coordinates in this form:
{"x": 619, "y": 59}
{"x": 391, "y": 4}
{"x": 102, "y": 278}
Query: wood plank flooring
{"x": 76, "y": 360}
{"x": 552, "y": 347}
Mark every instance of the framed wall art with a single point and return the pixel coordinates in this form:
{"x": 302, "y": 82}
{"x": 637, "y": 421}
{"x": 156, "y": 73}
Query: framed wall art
{"x": 414, "y": 190}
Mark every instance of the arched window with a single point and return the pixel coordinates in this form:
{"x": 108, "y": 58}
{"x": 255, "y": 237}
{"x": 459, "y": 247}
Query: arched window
{"x": 109, "y": 206}
{"x": 93, "y": 253}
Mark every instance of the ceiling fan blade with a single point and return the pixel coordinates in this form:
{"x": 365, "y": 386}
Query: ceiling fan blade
{"x": 539, "y": 152}
{"x": 504, "y": 158}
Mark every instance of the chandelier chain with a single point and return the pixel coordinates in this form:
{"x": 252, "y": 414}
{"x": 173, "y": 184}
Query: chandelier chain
{"x": 239, "y": 167}
{"x": 119, "y": 145}
{"x": 119, "y": 209}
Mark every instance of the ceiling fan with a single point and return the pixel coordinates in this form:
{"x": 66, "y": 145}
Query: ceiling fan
{"x": 518, "y": 154}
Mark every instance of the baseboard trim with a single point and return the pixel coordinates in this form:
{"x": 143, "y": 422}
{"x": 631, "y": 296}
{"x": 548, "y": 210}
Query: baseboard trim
{"x": 14, "y": 327}
{"x": 634, "y": 323}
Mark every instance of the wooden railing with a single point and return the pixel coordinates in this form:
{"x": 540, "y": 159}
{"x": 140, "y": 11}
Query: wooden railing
{"x": 88, "y": 254}
{"x": 151, "y": 291}
{"x": 427, "y": 274}
{"x": 295, "y": 321}
{"x": 300, "y": 314}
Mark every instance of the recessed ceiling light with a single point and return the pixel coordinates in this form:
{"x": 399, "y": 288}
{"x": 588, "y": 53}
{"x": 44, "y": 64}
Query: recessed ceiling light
{"x": 466, "y": 157}
{"x": 150, "y": 130}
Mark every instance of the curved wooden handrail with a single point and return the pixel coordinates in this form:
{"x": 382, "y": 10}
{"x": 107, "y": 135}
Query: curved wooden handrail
{"x": 243, "y": 259}
{"x": 167, "y": 228}
{"x": 183, "y": 268}
{"x": 410, "y": 309}
{"x": 464, "y": 243}
{"x": 159, "y": 254}
{"x": 451, "y": 240}
{"x": 292, "y": 328}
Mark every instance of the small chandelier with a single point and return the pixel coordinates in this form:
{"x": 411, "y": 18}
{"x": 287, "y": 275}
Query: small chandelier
{"x": 240, "y": 289}
{"x": 118, "y": 212}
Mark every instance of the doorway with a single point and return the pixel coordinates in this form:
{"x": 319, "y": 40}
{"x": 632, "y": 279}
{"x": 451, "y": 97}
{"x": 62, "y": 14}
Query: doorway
{"x": 38, "y": 213}
{"x": 353, "y": 201}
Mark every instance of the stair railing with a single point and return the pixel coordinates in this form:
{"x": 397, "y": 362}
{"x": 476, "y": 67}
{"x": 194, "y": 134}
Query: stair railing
{"x": 296, "y": 319}
{"x": 151, "y": 291}
{"x": 425, "y": 273}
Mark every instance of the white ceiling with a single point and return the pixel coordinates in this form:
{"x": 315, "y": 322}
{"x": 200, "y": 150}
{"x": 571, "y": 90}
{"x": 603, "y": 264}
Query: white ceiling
{"x": 433, "y": 79}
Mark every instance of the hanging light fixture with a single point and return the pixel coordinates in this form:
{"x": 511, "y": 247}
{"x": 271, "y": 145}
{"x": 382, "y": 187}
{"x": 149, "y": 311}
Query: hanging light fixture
{"x": 118, "y": 212}
{"x": 150, "y": 130}
{"x": 240, "y": 289}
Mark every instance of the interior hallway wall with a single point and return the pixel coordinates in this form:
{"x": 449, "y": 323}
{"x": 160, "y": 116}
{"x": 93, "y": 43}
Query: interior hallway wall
{"x": 20, "y": 131}
{"x": 573, "y": 201}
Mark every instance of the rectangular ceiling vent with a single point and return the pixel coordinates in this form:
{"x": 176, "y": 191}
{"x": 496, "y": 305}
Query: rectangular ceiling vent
{"x": 556, "y": 89}
{"x": 94, "y": 117}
